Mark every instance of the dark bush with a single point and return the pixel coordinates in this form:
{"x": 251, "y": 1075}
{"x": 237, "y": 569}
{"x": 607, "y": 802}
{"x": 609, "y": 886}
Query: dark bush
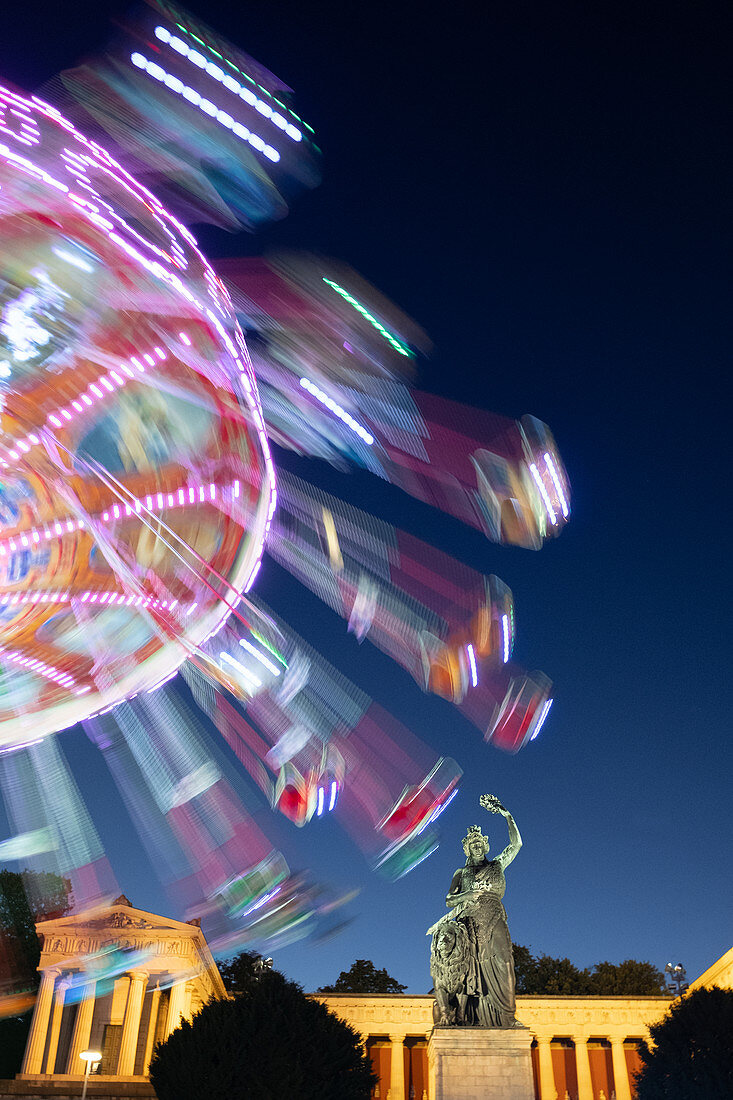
{"x": 692, "y": 1056}
{"x": 269, "y": 1043}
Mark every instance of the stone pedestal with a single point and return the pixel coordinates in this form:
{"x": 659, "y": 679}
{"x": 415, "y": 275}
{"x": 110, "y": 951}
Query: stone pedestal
{"x": 476, "y": 1063}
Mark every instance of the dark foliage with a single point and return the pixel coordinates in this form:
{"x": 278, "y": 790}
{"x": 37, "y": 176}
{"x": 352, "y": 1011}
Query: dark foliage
{"x": 267, "y": 1043}
{"x": 543, "y": 974}
{"x": 363, "y": 977}
{"x": 25, "y": 898}
{"x": 13, "y": 1036}
{"x": 629, "y": 978}
{"x": 239, "y": 974}
{"x": 692, "y": 1056}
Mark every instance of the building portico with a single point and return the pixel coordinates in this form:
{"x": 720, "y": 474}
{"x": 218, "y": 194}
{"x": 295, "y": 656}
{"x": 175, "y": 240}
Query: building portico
{"x": 117, "y": 980}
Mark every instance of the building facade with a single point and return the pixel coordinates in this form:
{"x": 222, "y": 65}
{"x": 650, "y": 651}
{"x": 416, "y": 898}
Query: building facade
{"x": 583, "y": 1046}
{"x": 118, "y": 980}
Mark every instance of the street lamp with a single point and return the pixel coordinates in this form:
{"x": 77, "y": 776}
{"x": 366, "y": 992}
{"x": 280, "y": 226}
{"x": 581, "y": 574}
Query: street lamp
{"x": 91, "y": 1057}
{"x": 677, "y": 977}
{"x": 261, "y": 967}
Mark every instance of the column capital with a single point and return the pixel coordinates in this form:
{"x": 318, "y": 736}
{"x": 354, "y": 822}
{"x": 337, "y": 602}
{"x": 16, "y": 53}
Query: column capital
{"x": 137, "y": 975}
{"x": 397, "y": 1037}
{"x": 544, "y": 1036}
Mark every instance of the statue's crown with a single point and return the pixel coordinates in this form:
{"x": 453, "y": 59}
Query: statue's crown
{"x": 474, "y": 833}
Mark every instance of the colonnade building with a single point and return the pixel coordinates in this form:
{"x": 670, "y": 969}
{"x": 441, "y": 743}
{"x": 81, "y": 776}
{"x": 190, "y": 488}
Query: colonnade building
{"x": 118, "y": 980}
{"x": 583, "y": 1048}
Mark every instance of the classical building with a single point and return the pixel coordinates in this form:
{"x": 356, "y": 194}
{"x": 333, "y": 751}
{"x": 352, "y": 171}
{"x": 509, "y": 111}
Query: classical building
{"x": 118, "y": 980}
{"x": 580, "y": 1045}
{"x": 584, "y": 1048}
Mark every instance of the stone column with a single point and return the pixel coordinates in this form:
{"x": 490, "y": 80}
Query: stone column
{"x": 547, "y": 1074}
{"x": 186, "y": 1007}
{"x": 620, "y": 1070}
{"x": 397, "y": 1068}
{"x": 58, "y": 1010}
{"x": 131, "y": 1026}
{"x": 175, "y": 1007}
{"x": 152, "y": 1025}
{"x": 34, "y": 1048}
{"x": 582, "y": 1065}
{"x": 82, "y": 1029}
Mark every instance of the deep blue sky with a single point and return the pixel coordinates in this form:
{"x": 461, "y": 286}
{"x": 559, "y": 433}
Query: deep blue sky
{"x": 546, "y": 189}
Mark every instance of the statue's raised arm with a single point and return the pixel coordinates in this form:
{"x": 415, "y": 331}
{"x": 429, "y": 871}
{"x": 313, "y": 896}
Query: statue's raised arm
{"x": 491, "y": 803}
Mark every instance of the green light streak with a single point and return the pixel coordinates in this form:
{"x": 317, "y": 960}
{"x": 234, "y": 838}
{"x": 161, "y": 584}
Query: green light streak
{"x": 401, "y": 348}
{"x": 270, "y": 649}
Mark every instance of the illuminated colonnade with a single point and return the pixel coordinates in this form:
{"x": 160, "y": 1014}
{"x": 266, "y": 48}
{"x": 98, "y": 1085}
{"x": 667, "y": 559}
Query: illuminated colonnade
{"x": 89, "y": 999}
{"x": 153, "y": 971}
{"x": 581, "y": 1045}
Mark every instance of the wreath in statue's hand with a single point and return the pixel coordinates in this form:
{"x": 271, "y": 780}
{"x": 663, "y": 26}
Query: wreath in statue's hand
{"x": 491, "y": 803}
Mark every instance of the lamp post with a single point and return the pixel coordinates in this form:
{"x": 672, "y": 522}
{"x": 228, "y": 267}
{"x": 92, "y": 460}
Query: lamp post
{"x": 261, "y": 967}
{"x": 677, "y": 977}
{"x": 91, "y": 1057}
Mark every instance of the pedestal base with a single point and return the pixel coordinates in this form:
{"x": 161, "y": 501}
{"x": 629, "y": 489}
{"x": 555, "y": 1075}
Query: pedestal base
{"x": 476, "y": 1063}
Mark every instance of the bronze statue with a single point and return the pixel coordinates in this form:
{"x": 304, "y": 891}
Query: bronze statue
{"x": 471, "y": 961}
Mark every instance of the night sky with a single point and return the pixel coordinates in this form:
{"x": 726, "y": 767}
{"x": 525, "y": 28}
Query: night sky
{"x": 545, "y": 188}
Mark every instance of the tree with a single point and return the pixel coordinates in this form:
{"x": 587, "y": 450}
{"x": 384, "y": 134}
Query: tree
{"x": 363, "y": 977}
{"x": 543, "y": 974}
{"x": 25, "y": 898}
{"x": 627, "y": 979}
{"x": 240, "y": 974}
{"x": 692, "y": 1056}
{"x": 267, "y": 1042}
{"x": 524, "y": 968}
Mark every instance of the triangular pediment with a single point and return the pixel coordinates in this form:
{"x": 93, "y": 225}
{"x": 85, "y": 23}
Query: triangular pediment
{"x": 122, "y": 924}
{"x": 120, "y": 915}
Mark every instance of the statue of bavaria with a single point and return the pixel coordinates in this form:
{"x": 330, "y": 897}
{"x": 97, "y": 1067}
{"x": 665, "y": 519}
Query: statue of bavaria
{"x": 471, "y": 961}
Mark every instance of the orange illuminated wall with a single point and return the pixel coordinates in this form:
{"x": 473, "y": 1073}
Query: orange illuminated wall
{"x": 380, "y": 1054}
{"x": 416, "y": 1075}
{"x": 563, "y": 1067}
{"x": 633, "y": 1063}
{"x": 601, "y": 1066}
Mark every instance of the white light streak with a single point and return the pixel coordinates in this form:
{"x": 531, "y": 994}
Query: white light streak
{"x": 337, "y": 410}
{"x": 543, "y": 716}
{"x": 558, "y": 487}
{"x": 543, "y": 493}
{"x": 505, "y": 638}
{"x": 260, "y": 656}
{"x": 206, "y": 105}
{"x": 472, "y": 663}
